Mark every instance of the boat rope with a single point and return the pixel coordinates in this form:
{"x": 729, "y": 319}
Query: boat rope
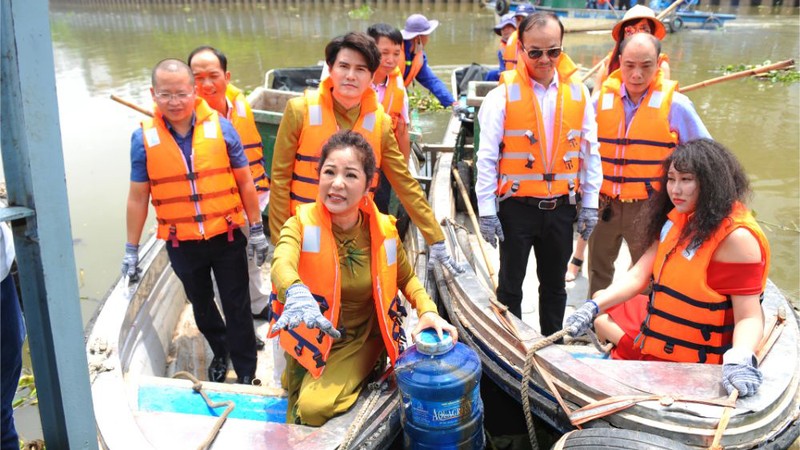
{"x": 604, "y": 349}
{"x": 526, "y": 380}
{"x": 197, "y": 386}
{"x": 376, "y": 388}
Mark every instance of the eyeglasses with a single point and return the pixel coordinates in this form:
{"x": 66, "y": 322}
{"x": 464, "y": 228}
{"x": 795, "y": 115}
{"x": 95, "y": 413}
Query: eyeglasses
{"x": 554, "y": 52}
{"x": 180, "y": 96}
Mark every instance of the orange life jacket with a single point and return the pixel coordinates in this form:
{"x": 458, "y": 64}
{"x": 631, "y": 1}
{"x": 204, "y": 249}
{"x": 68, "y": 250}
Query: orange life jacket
{"x": 632, "y": 157}
{"x": 524, "y": 170}
{"x": 319, "y": 269}
{"x": 197, "y": 202}
{"x": 612, "y": 66}
{"x": 319, "y": 124}
{"x": 245, "y": 124}
{"x": 686, "y": 320}
{"x": 394, "y": 96}
{"x": 414, "y": 66}
{"x": 510, "y": 51}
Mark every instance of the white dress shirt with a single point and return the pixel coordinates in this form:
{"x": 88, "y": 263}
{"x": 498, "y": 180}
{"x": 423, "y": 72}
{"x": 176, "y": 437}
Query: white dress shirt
{"x": 492, "y": 117}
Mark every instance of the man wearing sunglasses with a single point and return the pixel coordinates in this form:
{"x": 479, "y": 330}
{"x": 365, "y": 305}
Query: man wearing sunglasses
{"x": 538, "y": 142}
{"x": 640, "y": 119}
{"x": 190, "y": 162}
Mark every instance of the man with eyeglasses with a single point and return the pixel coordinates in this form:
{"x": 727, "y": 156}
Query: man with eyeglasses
{"x": 641, "y": 118}
{"x": 189, "y": 160}
{"x": 538, "y": 142}
{"x": 212, "y": 81}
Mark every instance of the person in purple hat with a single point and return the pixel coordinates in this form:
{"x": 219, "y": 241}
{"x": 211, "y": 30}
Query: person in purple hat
{"x": 504, "y": 29}
{"x": 415, "y": 67}
{"x": 510, "y": 51}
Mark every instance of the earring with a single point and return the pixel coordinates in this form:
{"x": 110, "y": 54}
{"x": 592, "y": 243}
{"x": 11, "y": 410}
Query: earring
{"x": 366, "y": 201}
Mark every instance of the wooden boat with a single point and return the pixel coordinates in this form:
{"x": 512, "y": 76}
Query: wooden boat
{"x": 674, "y": 405}
{"x": 144, "y": 334}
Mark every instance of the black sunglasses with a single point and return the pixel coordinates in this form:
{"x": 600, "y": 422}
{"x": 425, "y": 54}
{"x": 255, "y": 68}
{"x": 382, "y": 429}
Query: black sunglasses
{"x": 554, "y": 52}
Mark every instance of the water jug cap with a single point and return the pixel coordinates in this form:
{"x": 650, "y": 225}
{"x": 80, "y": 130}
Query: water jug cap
{"x": 428, "y": 342}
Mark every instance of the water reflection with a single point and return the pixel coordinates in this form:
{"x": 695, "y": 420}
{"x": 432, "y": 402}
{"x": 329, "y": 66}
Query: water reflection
{"x": 103, "y": 50}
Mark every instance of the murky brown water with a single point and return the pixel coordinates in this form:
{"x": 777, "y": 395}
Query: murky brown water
{"x": 100, "y": 51}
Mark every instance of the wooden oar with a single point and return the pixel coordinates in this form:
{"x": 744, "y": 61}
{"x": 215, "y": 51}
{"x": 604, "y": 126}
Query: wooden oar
{"x": 131, "y": 105}
{"x": 500, "y": 310}
{"x": 745, "y": 73}
{"x": 660, "y": 16}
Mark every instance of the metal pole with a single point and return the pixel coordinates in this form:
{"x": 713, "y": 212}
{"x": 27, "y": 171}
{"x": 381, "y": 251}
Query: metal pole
{"x": 34, "y": 169}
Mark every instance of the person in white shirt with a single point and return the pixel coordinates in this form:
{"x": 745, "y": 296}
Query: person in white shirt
{"x": 538, "y": 146}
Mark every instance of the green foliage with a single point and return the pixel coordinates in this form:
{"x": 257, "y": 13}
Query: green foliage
{"x": 363, "y": 12}
{"x": 422, "y": 100}
{"x": 26, "y": 388}
{"x": 773, "y": 76}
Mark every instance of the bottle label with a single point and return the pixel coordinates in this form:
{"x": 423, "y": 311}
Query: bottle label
{"x": 439, "y": 415}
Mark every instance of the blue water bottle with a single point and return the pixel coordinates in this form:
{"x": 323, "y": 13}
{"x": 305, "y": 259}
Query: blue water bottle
{"x": 440, "y": 385}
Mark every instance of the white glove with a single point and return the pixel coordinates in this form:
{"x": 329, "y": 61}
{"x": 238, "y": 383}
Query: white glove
{"x": 130, "y": 263}
{"x": 739, "y": 372}
{"x": 587, "y": 220}
{"x": 439, "y": 253}
{"x": 490, "y": 227}
{"x": 301, "y": 307}
{"x": 582, "y": 318}
{"x": 257, "y": 244}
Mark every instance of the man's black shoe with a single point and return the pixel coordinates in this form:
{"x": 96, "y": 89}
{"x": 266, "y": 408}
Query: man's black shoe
{"x": 218, "y": 369}
{"x": 247, "y": 379}
{"x": 259, "y": 343}
{"x": 263, "y": 314}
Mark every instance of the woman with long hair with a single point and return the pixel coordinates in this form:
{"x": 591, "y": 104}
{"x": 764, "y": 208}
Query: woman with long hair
{"x": 708, "y": 262}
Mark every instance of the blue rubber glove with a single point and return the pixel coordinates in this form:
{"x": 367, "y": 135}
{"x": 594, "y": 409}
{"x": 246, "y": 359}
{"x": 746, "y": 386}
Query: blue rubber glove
{"x": 301, "y": 307}
{"x": 587, "y": 220}
{"x": 490, "y": 227}
{"x": 257, "y": 245}
{"x": 582, "y": 318}
{"x": 739, "y": 372}
{"x": 130, "y": 263}
{"x": 439, "y": 253}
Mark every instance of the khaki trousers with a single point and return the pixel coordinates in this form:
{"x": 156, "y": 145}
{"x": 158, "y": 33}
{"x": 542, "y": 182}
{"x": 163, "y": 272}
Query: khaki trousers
{"x": 606, "y": 240}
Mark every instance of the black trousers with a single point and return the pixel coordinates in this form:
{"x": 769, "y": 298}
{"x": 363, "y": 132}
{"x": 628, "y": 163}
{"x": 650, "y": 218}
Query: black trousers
{"x": 383, "y": 193}
{"x": 550, "y": 235}
{"x": 193, "y": 262}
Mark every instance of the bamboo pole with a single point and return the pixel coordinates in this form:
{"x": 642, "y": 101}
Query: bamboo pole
{"x": 733, "y": 76}
{"x": 499, "y": 309}
{"x": 132, "y": 105}
{"x": 660, "y": 17}
{"x": 471, "y": 213}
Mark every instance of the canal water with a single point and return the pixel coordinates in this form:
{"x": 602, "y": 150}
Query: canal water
{"x": 102, "y": 50}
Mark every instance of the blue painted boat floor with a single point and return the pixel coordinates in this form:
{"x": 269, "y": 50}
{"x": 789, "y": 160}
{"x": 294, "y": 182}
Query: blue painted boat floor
{"x": 176, "y": 399}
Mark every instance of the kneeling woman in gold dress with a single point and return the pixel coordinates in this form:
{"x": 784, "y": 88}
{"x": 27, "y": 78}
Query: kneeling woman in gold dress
{"x": 337, "y": 269}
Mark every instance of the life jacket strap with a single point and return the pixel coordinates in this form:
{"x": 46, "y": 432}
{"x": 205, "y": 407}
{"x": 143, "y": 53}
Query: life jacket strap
{"x": 671, "y": 342}
{"x": 191, "y": 176}
{"x": 200, "y": 217}
{"x": 696, "y": 303}
{"x": 195, "y": 197}
{"x": 626, "y": 141}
